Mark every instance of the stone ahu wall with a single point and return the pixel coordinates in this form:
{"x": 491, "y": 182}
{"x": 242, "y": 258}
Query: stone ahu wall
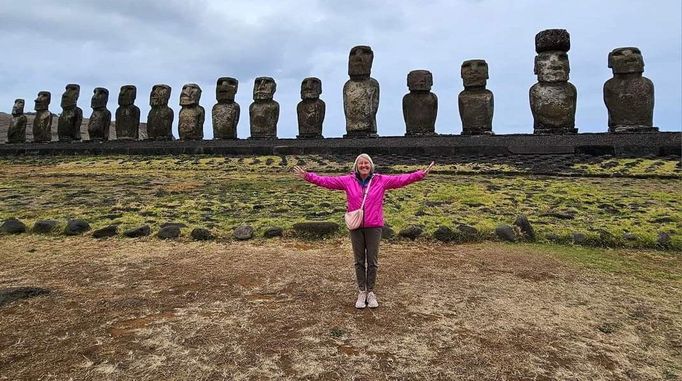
{"x": 628, "y": 96}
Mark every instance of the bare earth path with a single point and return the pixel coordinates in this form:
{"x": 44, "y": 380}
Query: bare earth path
{"x": 283, "y": 309}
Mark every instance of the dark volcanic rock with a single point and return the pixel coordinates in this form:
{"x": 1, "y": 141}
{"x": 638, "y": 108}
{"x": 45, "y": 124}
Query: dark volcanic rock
{"x": 13, "y": 226}
{"x": 167, "y": 224}
{"x": 663, "y": 240}
{"x": 273, "y": 232}
{"x": 169, "y": 232}
{"x": 316, "y": 229}
{"x": 579, "y": 238}
{"x": 468, "y": 232}
{"x": 201, "y": 234}
{"x": 9, "y": 295}
{"x": 44, "y": 226}
{"x": 444, "y": 234}
{"x": 387, "y": 232}
{"x": 142, "y": 231}
{"x": 243, "y": 233}
{"x": 76, "y": 227}
{"x": 505, "y": 233}
{"x": 411, "y": 232}
{"x": 107, "y": 231}
{"x": 525, "y": 226}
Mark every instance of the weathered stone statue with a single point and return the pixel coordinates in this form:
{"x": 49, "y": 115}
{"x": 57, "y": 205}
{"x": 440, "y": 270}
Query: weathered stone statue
{"x": 100, "y": 120}
{"x": 310, "y": 109}
{"x": 476, "y": 103}
{"x": 17, "y": 128}
{"x": 553, "y": 98}
{"x": 69, "y": 122}
{"x": 191, "y": 124}
{"x": 127, "y": 114}
{"x": 42, "y": 124}
{"x": 226, "y": 111}
{"x": 160, "y": 117}
{"x": 420, "y": 105}
{"x": 629, "y": 96}
{"x": 361, "y": 94}
{"x": 264, "y": 111}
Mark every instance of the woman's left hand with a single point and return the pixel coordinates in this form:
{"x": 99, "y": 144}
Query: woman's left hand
{"x": 426, "y": 171}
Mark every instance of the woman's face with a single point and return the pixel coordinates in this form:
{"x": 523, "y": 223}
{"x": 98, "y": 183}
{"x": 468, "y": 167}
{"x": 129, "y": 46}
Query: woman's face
{"x": 364, "y": 167}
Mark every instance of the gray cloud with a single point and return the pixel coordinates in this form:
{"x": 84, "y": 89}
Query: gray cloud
{"x": 105, "y": 43}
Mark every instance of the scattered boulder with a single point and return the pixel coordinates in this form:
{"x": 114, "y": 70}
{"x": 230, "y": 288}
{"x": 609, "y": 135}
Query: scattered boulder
{"x": 469, "y": 233}
{"x": 663, "y": 220}
{"x": 505, "y": 233}
{"x": 444, "y": 234}
{"x": 551, "y": 237}
{"x": 525, "y": 227}
{"x": 559, "y": 214}
{"x": 201, "y": 234}
{"x": 316, "y": 229}
{"x": 142, "y": 231}
{"x": 411, "y": 232}
{"x": 664, "y": 240}
{"x": 579, "y": 238}
{"x": 13, "y": 226}
{"x": 76, "y": 227}
{"x": 629, "y": 237}
{"x": 243, "y": 233}
{"x": 107, "y": 231}
{"x": 169, "y": 231}
{"x": 167, "y": 224}
{"x": 387, "y": 232}
{"x": 44, "y": 226}
{"x": 273, "y": 232}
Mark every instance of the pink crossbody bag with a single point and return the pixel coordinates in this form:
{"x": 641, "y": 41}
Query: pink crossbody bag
{"x": 354, "y": 219}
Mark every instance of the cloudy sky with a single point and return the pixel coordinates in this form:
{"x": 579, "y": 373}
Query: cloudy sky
{"x": 48, "y": 44}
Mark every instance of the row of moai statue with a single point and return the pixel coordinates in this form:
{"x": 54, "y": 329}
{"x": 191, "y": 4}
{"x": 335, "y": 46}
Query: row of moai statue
{"x": 629, "y": 98}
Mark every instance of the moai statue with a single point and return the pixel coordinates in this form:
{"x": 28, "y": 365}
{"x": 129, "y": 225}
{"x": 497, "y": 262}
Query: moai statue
{"x": 127, "y": 114}
{"x": 100, "y": 120}
{"x": 17, "y": 128}
{"x": 264, "y": 111}
{"x": 191, "y": 124}
{"x": 226, "y": 111}
{"x": 475, "y": 101}
{"x": 69, "y": 122}
{"x": 420, "y": 105}
{"x": 553, "y": 98}
{"x": 629, "y": 96}
{"x": 160, "y": 117}
{"x": 361, "y": 94}
{"x": 42, "y": 124}
{"x": 310, "y": 109}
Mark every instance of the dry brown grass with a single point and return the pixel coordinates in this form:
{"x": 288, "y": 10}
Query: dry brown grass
{"x": 148, "y": 309}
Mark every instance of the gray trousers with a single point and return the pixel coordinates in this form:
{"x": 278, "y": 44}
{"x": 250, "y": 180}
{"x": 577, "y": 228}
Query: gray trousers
{"x": 365, "y": 243}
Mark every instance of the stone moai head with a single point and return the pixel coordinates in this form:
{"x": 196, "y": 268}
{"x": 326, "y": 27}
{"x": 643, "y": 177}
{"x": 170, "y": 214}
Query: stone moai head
{"x": 160, "y": 95}
{"x": 311, "y": 88}
{"x": 264, "y": 88}
{"x": 127, "y": 95}
{"x": 100, "y": 97}
{"x": 190, "y": 95}
{"x": 70, "y": 96}
{"x": 18, "y": 108}
{"x": 360, "y": 61}
{"x": 226, "y": 89}
{"x": 626, "y": 60}
{"x": 43, "y": 100}
{"x": 551, "y": 62}
{"x": 474, "y": 73}
{"x": 419, "y": 80}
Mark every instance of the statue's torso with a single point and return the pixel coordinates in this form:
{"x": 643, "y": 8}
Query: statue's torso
{"x": 263, "y": 117}
{"x": 127, "y": 122}
{"x": 630, "y": 102}
{"x": 476, "y": 111}
{"x": 225, "y": 120}
{"x": 420, "y": 111}
{"x": 553, "y": 106}
{"x": 361, "y": 103}
{"x": 191, "y": 123}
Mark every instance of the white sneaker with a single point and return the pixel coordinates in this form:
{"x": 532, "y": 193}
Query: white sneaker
{"x": 362, "y": 299}
{"x": 372, "y": 300}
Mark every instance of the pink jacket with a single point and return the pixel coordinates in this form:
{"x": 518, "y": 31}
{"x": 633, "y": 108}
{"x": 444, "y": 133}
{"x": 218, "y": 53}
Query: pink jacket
{"x": 374, "y": 204}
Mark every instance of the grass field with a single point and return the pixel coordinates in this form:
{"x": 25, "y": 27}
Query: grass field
{"x": 147, "y": 309}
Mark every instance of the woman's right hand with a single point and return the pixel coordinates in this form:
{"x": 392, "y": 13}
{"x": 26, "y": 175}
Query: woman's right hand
{"x": 299, "y": 171}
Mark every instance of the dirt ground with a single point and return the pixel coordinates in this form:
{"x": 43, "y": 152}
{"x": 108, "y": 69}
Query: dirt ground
{"x": 154, "y": 310}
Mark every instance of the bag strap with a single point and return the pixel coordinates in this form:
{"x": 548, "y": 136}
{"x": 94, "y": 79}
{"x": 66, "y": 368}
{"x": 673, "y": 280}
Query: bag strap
{"x": 364, "y": 197}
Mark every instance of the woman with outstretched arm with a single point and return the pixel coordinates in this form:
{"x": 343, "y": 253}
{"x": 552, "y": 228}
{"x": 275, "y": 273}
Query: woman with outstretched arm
{"x": 365, "y": 189}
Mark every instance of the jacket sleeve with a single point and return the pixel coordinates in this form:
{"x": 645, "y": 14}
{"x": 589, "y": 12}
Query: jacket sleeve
{"x": 399, "y": 181}
{"x": 329, "y": 182}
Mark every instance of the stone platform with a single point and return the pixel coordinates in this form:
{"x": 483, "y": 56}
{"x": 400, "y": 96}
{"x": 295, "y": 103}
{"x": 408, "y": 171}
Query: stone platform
{"x": 640, "y": 144}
